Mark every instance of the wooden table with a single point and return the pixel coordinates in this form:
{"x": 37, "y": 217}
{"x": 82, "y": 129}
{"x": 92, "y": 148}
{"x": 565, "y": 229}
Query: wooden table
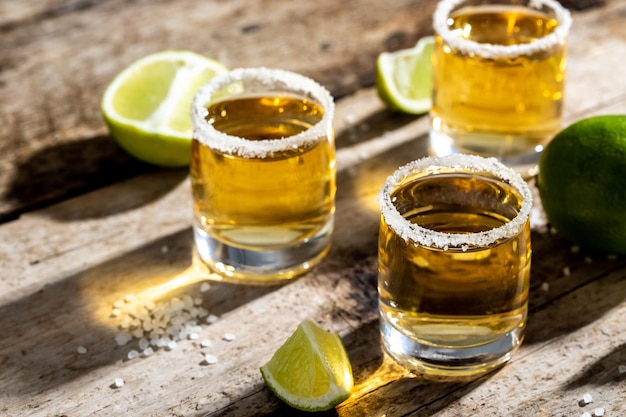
{"x": 84, "y": 225}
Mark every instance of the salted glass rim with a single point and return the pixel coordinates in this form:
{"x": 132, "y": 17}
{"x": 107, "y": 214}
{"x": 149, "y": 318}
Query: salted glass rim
{"x": 492, "y": 51}
{"x": 268, "y": 79}
{"x": 460, "y": 163}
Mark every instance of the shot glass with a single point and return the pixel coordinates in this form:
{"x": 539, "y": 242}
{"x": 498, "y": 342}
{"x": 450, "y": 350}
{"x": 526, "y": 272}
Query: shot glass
{"x": 498, "y": 74}
{"x": 453, "y": 264}
{"x": 262, "y": 174}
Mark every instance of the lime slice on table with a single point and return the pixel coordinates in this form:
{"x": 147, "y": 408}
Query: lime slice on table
{"x": 311, "y": 371}
{"x": 404, "y": 78}
{"x": 147, "y": 106}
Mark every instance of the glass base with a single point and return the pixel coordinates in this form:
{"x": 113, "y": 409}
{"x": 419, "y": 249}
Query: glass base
{"x": 258, "y": 266}
{"x": 520, "y": 153}
{"x": 444, "y": 361}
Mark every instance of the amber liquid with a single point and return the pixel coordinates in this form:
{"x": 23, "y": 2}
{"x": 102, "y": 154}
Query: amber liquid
{"x": 264, "y": 203}
{"x": 455, "y": 297}
{"x": 503, "y": 107}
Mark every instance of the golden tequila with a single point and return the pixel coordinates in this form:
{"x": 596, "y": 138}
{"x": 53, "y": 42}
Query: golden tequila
{"x": 451, "y": 288}
{"x": 499, "y": 72}
{"x": 266, "y": 202}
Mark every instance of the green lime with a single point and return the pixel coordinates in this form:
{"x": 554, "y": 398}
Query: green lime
{"x": 311, "y": 371}
{"x": 404, "y": 78}
{"x": 147, "y": 106}
{"x": 582, "y": 183}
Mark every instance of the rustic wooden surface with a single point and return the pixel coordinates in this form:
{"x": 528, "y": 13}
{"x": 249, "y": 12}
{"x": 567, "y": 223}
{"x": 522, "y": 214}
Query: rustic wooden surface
{"x": 83, "y": 224}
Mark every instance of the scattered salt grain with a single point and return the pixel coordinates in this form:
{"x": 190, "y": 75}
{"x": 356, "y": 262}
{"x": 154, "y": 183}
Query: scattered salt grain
{"x": 545, "y": 286}
{"x": 211, "y": 319}
{"x": 147, "y": 351}
{"x": 193, "y": 336}
{"x": 586, "y": 399}
{"x": 205, "y": 343}
{"x": 122, "y": 338}
{"x": 205, "y": 286}
{"x": 566, "y": 271}
{"x": 143, "y": 343}
{"x": 129, "y": 298}
{"x": 164, "y": 249}
{"x": 132, "y": 354}
{"x": 350, "y": 119}
{"x": 81, "y": 349}
{"x": 171, "y": 345}
{"x": 118, "y": 383}
{"x": 118, "y": 304}
{"x": 210, "y": 359}
{"x": 116, "y": 312}
{"x": 598, "y": 412}
{"x": 585, "y": 414}
{"x": 622, "y": 369}
{"x": 229, "y": 337}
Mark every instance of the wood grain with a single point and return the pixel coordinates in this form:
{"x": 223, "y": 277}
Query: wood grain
{"x": 64, "y": 265}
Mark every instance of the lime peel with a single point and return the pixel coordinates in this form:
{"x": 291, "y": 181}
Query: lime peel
{"x": 311, "y": 371}
{"x": 404, "y": 77}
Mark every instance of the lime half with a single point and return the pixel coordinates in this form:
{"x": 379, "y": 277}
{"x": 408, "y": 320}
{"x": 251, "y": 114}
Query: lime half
{"x": 311, "y": 371}
{"x": 404, "y": 78}
{"x": 147, "y": 106}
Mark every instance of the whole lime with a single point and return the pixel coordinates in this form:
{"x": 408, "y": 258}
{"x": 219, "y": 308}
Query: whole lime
{"x": 582, "y": 183}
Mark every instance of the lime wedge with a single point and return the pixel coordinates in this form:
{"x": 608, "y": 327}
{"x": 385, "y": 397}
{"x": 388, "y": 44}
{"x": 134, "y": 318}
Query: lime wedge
{"x": 311, "y": 371}
{"x": 147, "y": 106}
{"x": 404, "y": 78}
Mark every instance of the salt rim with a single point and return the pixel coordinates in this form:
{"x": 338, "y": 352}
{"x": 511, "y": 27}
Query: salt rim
{"x": 468, "y": 163}
{"x": 276, "y": 79}
{"x": 492, "y": 51}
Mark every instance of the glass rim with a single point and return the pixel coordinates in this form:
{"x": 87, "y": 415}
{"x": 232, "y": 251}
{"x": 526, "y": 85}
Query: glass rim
{"x": 492, "y": 51}
{"x": 286, "y": 82}
{"x": 443, "y": 240}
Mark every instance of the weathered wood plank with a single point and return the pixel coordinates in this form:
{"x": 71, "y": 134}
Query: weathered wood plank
{"x": 64, "y": 267}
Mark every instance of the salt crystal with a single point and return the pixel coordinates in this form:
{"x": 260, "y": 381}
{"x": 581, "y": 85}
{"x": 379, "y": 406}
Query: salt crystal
{"x": 171, "y": 344}
{"x": 193, "y": 336}
{"x": 116, "y": 312}
{"x": 585, "y": 414}
{"x": 164, "y": 249}
{"x": 81, "y": 349}
{"x": 118, "y": 383}
{"x": 229, "y": 337}
{"x": 143, "y": 343}
{"x": 197, "y": 301}
{"x": 566, "y": 271}
{"x": 586, "y": 399}
{"x": 205, "y": 343}
{"x": 132, "y": 354}
{"x": 622, "y": 369}
{"x": 138, "y": 332}
{"x": 545, "y": 286}
{"x": 349, "y": 119}
{"x": 118, "y": 304}
{"x": 148, "y": 351}
{"x": 212, "y": 318}
{"x": 205, "y": 287}
{"x": 122, "y": 338}
{"x": 210, "y": 359}
{"x": 128, "y": 298}
{"x": 598, "y": 412}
